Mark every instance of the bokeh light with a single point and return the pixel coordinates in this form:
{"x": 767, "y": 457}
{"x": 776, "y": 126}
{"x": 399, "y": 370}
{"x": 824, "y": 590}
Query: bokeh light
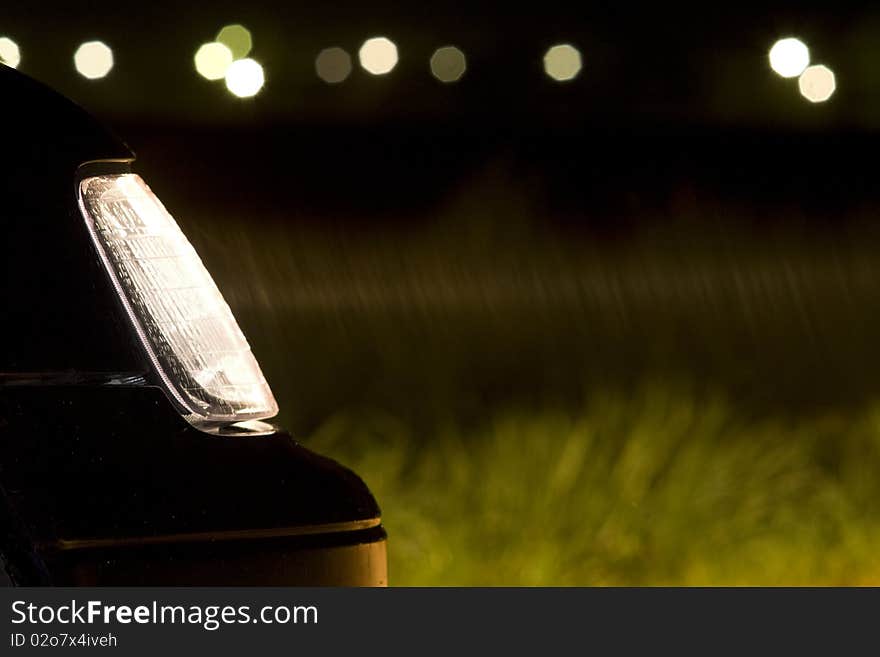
{"x": 212, "y": 60}
{"x": 789, "y": 57}
{"x": 333, "y": 65}
{"x": 378, "y": 55}
{"x": 237, "y": 38}
{"x": 93, "y": 59}
{"x": 817, "y": 83}
{"x": 245, "y": 78}
{"x": 448, "y": 64}
{"x": 9, "y": 52}
{"x": 562, "y": 62}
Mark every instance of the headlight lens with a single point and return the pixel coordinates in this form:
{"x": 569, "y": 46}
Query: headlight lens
{"x": 186, "y": 327}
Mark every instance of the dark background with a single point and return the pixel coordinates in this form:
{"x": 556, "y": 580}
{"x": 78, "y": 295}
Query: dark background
{"x": 615, "y": 330}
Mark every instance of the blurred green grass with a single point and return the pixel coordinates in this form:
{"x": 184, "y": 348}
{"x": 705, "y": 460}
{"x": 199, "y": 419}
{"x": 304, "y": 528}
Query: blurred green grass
{"x": 661, "y": 487}
{"x": 692, "y": 401}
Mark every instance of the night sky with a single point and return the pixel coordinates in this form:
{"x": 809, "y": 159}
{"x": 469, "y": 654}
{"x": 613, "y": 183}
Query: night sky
{"x": 668, "y": 64}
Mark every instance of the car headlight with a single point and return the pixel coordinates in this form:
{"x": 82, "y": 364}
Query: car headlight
{"x": 187, "y": 330}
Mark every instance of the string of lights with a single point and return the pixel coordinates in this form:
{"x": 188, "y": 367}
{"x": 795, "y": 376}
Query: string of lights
{"x": 227, "y": 58}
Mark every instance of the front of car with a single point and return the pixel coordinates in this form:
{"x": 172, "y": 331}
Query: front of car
{"x": 135, "y": 437}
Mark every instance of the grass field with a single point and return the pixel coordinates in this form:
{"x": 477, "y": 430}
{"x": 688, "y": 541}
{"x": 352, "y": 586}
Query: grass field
{"x": 693, "y": 403}
{"x": 656, "y": 487}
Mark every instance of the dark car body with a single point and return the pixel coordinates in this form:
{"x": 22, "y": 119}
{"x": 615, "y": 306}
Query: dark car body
{"x": 102, "y": 480}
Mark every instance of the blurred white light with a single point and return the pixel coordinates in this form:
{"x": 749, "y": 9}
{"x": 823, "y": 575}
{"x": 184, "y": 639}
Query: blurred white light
{"x": 212, "y": 60}
{"x": 378, "y": 55}
{"x": 237, "y": 38}
{"x": 93, "y": 59}
{"x": 245, "y": 78}
{"x": 333, "y": 65}
{"x": 9, "y": 52}
{"x": 817, "y": 83}
{"x": 448, "y": 64}
{"x": 562, "y": 62}
{"x": 789, "y": 57}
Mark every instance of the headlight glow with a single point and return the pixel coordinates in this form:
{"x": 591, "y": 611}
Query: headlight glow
{"x": 187, "y": 329}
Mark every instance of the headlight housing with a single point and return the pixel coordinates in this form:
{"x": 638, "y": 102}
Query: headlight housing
{"x": 190, "y": 336}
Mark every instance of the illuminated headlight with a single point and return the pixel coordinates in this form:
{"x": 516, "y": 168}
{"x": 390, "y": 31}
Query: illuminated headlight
{"x": 188, "y": 331}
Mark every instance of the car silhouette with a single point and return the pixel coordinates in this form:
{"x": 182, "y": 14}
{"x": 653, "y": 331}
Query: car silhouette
{"x": 135, "y": 442}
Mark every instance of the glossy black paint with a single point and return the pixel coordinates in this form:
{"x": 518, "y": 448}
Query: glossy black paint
{"x": 119, "y": 463}
{"x": 90, "y": 449}
{"x": 59, "y": 313}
